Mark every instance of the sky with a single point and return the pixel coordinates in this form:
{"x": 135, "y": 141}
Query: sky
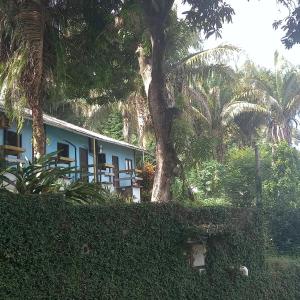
{"x": 251, "y": 30}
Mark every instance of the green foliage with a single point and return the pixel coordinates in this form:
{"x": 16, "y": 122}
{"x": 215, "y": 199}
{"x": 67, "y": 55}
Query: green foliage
{"x": 190, "y": 147}
{"x": 180, "y": 37}
{"x": 147, "y": 174}
{"x": 34, "y": 178}
{"x": 289, "y": 24}
{"x": 112, "y": 125}
{"x": 53, "y": 250}
{"x": 89, "y": 193}
{"x": 282, "y": 190}
{"x": 278, "y": 93}
{"x": 209, "y": 178}
{"x": 284, "y": 227}
{"x": 239, "y": 179}
{"x": 42, "y": 178}
{"x": 205, "y": 185}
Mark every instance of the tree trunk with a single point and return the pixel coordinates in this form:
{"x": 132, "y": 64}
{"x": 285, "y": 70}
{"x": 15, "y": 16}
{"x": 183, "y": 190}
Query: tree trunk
{"x": 162, "y": 115}
{"x": 258, "y": 181}
{"x": 220, "y": 149}
{"x": 125, "y": 117}
{"x": 142, "y": 113}
{"x": 38, "y": 132}
{"x": 33, "y": 19}
{"x": 145, "y": 64}
{"x": 142, "y": 110}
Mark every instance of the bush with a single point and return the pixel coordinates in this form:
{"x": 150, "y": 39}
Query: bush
{"x": 50, "y": 249}
{"x": 208, "y": 179}
{"x": 239, "y": 179}
{"x": 147, "y": 174}
{"x": 41, "y": 177}
{"x": 205, "y": 185}
{"x": 282, "y": 189}
{"x": 284, "y": 227}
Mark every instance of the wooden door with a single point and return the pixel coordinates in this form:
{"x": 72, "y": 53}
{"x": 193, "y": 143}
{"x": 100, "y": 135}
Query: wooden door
{"x": 115, "y": 162}
{"x": 83, "y": 161}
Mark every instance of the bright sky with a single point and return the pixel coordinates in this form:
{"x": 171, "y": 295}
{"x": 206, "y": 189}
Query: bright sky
{"x": 252, "y": 31}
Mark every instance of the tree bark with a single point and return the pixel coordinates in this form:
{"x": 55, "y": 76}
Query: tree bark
{"x": 142, "y": 113}
{"x": 38, "y": 132}
{"x": 162, "y": 115}
{"x": 145, "y": 64}
{"x": 142, "y": 110}
{"x": 258, "y": 181}
{"x": 33, "y": 23}
{"x": 220, "y": 148}
{"x": 125, "y": 117}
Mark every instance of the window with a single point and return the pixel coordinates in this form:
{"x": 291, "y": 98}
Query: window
{"x": 63, "y": 149}
{"x": 12, "y": 138}
{"x": 128, "y": 164}
{"x": 91, "y": 145}
{"x": 102, "y": 160}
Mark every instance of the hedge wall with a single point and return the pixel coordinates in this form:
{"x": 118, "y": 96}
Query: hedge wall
{"x": 284, "y": 227}
{"x": 52, "y": 250}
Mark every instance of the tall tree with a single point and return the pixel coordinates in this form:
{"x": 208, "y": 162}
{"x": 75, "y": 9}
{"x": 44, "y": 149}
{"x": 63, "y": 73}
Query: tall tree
{"x": 279, "y": 93}
{"x": 290, "y": 24}
{"x": 197, "y": 81}
{"x": 23, "y": 33}
{"x": 33, "y": 37}
{"x": 208, "y": 17}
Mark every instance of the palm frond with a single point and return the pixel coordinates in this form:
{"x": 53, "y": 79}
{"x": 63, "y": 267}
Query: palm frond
{"x": 198, "y": 115}
{"x": 237, "y": 108}
{"x": 293, "y": 106}
{"x": 212, "y": 70}
{"x": 201, "y": 98}
{"x": 291, "y": 87}
{"x": 219, "y": 54}
{"x": 12, "y": 91}
{"x": 273, "y": 104}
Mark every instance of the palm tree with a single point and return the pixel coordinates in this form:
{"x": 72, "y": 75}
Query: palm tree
{"x": 279, "y": 93}
{"x": 206, "y": 84}
{"x": 205, "y": 105}
{"x": 23, "y": 32}
{"x": 33, "y": 37}
{"x": 215, "y": 96}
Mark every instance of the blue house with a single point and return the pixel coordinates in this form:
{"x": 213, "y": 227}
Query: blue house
{"x": 97, "y": 158}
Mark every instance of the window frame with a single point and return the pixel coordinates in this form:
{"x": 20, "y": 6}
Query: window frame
{"x": 18, "y": 137}
{"x": 101, "y": 163}
{"x": 128, "y": 164}
{"x": 61, "y": 153}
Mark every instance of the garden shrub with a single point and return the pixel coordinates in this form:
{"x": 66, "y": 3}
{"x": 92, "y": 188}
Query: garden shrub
{"x": 50, "y": 249}
{"x": 284, "y": 227}
{"x": 282, "y": 189}
{"x": 239, "y": 178}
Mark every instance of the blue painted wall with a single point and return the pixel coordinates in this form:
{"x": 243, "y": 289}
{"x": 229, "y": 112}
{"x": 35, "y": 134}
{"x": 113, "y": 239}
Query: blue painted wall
{"x": 57, "y": 135}
{"x": 122, "y": 153}
{"x": 26, "y": 138}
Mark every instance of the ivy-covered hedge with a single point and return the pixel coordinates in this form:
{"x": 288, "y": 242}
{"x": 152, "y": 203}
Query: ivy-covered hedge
{"x": 284, "y": 228}
{"x": 52, "y": 250}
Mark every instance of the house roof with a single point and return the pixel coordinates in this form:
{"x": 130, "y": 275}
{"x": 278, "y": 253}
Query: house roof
{"x": 49, "y": 120}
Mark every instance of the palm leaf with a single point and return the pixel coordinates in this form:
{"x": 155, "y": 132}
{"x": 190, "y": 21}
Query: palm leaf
{"x": 237, "y": 108}
{"x": 218, "y": 54}
{"x": 201, "y": 98}
{"x": 293, "y": 106}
